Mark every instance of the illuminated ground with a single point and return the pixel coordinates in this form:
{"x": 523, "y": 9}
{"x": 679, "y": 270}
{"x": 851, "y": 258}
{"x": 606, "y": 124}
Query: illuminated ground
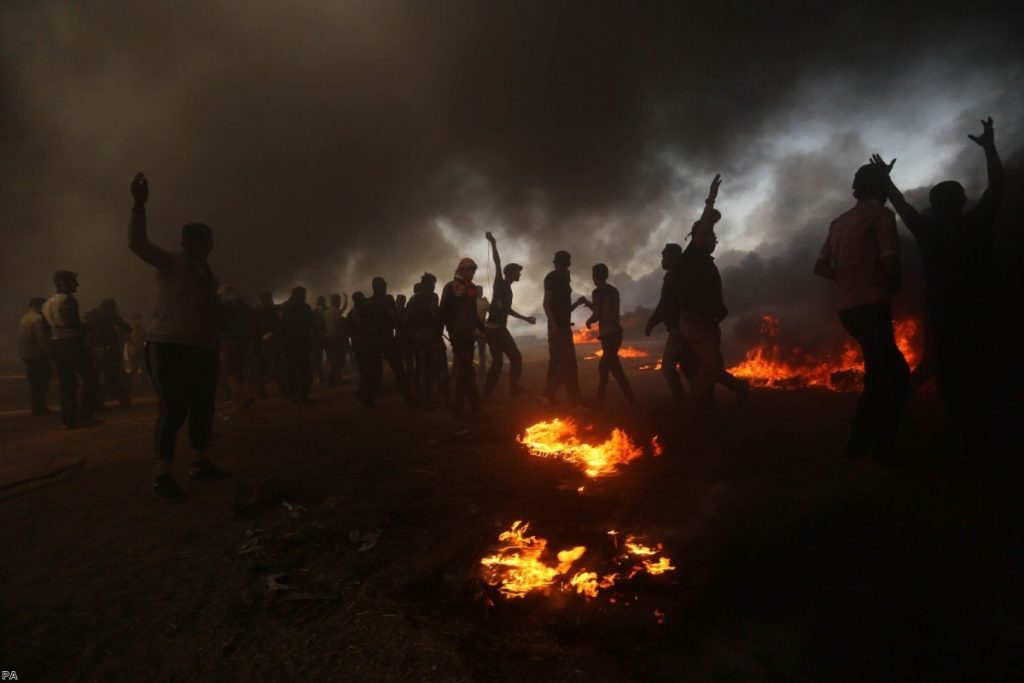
{"x": 791, "y": 563}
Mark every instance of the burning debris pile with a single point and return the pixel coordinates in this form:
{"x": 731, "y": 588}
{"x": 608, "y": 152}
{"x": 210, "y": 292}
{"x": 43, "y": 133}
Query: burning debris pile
{"x": 773, "y": 365}
{"x": 561, "y": 439}
{"x": 585, "y": 335}
{"x": 522, "y": 565}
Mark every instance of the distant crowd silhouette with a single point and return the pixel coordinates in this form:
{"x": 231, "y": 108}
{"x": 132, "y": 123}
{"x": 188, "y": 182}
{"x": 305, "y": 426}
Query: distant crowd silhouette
{"x": 202, "y": 334}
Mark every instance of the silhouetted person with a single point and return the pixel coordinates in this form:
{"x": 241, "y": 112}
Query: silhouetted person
{"x": 336, "y": 339}
{"x": 482, "y": 306}
{"x": 459, "y": 315}
{"x": 181, "y": 347}
{"x": 701, "y": 305}
{"x": 105, "y": 337}
{"x": 317, "y": 355}
{"x": 237, "y": 334}
{"x": 268, "y": 344}
{"x": 861, "y": 254}
{"x": 558, "y": 307}
{"x": 297, "y": 331}
{"x": 403, "y": 339}
{"x": 499, "y": 339}
{"x": 380, "y": 345}
{"x": 604, "y": 304}
{"x": 136, "y": 349}
{"x": 957, "y": 250}
{"x": 34, "y": 352}
{"x": 667, "y": 313}
{"x": 71, "y": 358}
{"x": 357, "y": 334}
{"x": 424, "y": 322}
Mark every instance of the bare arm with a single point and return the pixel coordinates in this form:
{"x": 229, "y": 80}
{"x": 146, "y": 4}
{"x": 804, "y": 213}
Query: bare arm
{"x": 344, "y": 305}
{"x": 911, "y": 218}
{"x": 525, "y": 318}
{"x": 138, "y": 239}
{"x": 494, "y": 251}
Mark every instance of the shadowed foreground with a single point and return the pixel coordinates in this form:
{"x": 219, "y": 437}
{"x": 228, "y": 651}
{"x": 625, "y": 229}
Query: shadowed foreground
{"x": 347, "y": 547}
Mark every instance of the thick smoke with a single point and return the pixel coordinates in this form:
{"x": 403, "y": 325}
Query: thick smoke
{"x": 328, "y": 142}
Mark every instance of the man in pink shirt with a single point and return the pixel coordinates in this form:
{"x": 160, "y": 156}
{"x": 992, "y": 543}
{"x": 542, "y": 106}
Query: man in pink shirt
{"x": 861, "y": 254}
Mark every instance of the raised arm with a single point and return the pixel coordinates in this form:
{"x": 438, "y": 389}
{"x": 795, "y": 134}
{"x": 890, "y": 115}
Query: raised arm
{"x": 996, "y": 176}
{"x": 709, "y": 203}
{"x": 911, "y": 218}
{"x": 138, "y": 240}
{"x": 344, "y": 305}
{"x": 494, "y": 251}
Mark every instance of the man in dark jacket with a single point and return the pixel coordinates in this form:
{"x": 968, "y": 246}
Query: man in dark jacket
{"x": 105, "y": 338}
{"x": 380, "y": 316}
{"x": 297, "y": 330}
{"x": 423, "y": 320}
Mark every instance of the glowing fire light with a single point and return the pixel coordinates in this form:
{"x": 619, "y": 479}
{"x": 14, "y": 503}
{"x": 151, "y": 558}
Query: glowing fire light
{"x": 650, "y": 366}
{"x": 770, "y": 365}
{"x": 522, "y": 565}
{"x": 624, "y": 352}
{"x": 560, "y": 439}
{"x": 585, "y": 335}
{"x": 656, "y": 447}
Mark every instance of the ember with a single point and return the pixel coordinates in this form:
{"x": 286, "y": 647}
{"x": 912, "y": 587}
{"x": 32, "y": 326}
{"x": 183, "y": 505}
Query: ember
{"x": 520, "y": 565}
{"x": 770, "y": 365}
{"x": 560, "y": 439}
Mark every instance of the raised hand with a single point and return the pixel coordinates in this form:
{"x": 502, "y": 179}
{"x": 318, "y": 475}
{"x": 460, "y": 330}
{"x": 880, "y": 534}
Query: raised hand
{"x": 878, "y": 162}
{"x": 715, "y": 183}
{"x": 531, "y": 319}
{"x": 140, "y": 189}
{"x": 987, "y": 138}
{"x": 489, "y": 236}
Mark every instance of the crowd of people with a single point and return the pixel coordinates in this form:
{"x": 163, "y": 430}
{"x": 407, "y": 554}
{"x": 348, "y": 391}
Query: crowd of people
{"x": 203, "y": 334}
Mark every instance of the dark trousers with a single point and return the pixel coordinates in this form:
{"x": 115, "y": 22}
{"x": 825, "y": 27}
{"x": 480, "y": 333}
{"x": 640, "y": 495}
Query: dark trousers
{"x": 431, "y": 366}
{"x": 960, "y": 359}
{"x": 673, "y": 356}
{"x": 113, "y": 379}
{"x": 298, "y": 375}
{"x": 703, "y": 338}
{"x": 465, "y": 374}
{"x": 609, "y": 363}
{"x": 336, "y": 349}
{"x": 372, "y": 371}
{"x": 562, "y": 368}
{"x": 72, "y": 362}
{"x": 37, "y": 372}
{"x": 885, "y": 377}
{"x": 185, "y": 381}
{"x": 502, "y": 344}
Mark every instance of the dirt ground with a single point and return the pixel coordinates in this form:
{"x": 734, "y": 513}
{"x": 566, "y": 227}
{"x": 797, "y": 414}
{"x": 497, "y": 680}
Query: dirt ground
{"x": 347, "y": 546}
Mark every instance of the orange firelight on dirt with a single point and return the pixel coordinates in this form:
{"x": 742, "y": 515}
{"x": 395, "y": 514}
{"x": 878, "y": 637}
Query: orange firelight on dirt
{"x": 522, "y": 565}
{"x": 585, "y": 335}
{"x": 624, "y": 352}
{"x": 562, "y": 439}
{"x": 769, "y": 364}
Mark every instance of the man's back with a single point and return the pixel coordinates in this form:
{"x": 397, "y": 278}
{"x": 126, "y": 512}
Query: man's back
{"x": 559, "y": 289}
{"x": 33, "y": 334}
{"x": 857, "y": 242}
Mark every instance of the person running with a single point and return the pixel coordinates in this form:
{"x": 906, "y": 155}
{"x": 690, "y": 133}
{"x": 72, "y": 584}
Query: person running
{"x": 71, "y": 358}
{"x": 960, "y": 309}
{"x": 458, "y": 313}
{"x": 558, "y": 307}
{"x": 105, "y": 336}
{"x": 34, "y": 352}
{"x": 181, "y": 347}
{"x": 861, "y": 255}
{"x": 499, "y": 339}
{"x": 604, "y": 304}
{"x": 298, "y": 325}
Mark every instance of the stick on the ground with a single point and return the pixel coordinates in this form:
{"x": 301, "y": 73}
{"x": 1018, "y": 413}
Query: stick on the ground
{"x": 48, "y": 475}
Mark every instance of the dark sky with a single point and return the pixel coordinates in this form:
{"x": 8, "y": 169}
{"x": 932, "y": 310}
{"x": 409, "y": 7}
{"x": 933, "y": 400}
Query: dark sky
{"x": 327, "y": 142}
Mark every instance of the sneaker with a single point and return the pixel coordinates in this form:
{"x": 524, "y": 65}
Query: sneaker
{"x": 167, "y": 490}
{"x": 204, "y": 469}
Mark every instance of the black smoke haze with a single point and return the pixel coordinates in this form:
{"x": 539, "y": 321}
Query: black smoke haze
{"x": 327, "y": 142}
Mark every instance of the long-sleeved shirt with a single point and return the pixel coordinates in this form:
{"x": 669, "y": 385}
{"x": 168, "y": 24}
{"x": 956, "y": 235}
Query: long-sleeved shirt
{"x": 33, "y": 336}
{"x": 187, "y": 309}
{"x": 700, "y": 285}
{"x": 61, "y": 313}
{"x": 667, "y": 310}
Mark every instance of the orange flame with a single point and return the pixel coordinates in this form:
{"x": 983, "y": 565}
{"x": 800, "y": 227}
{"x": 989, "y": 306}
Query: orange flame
{"x": 560, "y": 439}
{"x": 519, "y": 566}
{"x": 770, "y": 365}
{"x": 585, "y": 335}
{"x": 624, "y": 352}
{"x": 650, "y": 366}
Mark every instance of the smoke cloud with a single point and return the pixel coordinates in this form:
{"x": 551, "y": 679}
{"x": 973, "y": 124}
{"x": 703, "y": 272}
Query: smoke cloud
{"x": 328, "y": 142}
